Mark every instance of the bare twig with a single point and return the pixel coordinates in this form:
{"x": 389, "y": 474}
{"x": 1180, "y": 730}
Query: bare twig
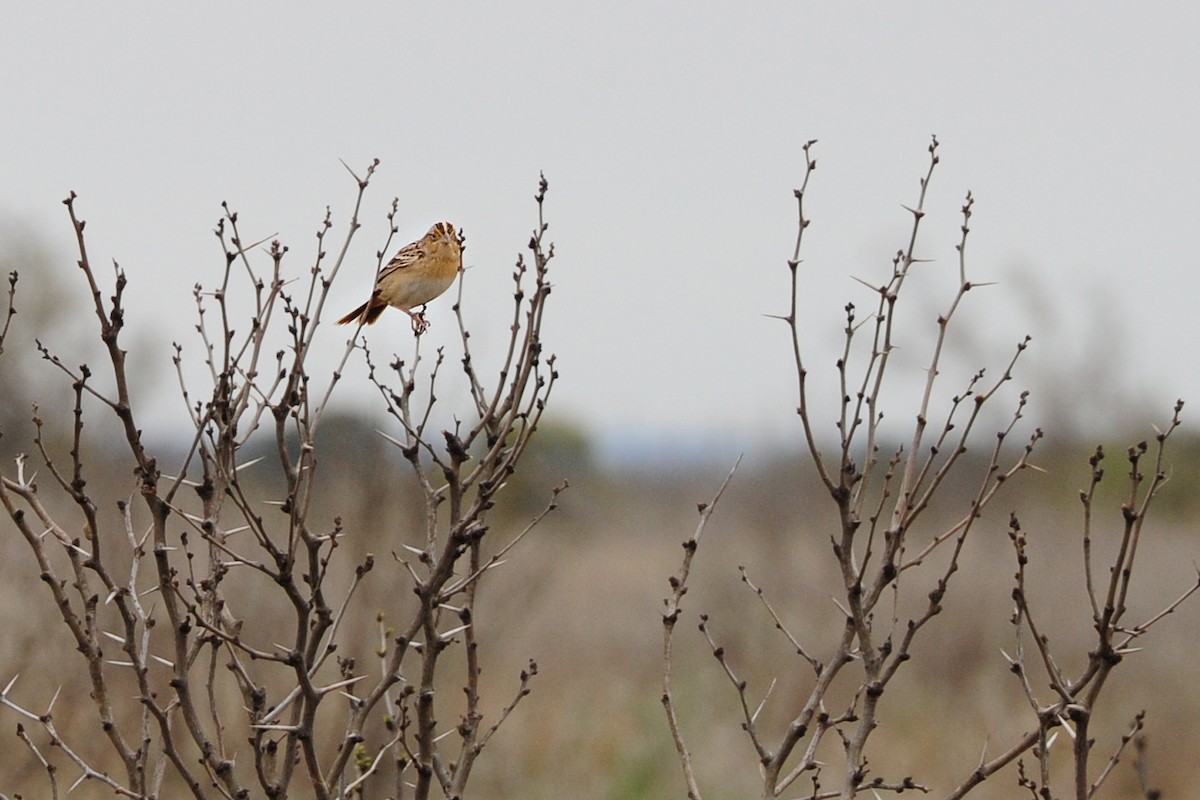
{"x": 671, "y": 614}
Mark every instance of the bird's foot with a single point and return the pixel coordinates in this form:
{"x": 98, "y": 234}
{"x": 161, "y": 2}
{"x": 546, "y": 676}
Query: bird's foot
{"x": 419, "y": 323}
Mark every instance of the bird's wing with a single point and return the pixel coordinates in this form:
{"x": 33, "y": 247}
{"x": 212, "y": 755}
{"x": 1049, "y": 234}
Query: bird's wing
{"x": 408, "y": 255}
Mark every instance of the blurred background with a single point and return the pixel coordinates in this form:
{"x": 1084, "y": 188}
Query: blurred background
{"x": 671, "y": 136}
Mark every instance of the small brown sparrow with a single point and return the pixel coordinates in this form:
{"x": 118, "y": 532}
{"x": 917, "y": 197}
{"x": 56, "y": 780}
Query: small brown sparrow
{"x": 417, "y": 274}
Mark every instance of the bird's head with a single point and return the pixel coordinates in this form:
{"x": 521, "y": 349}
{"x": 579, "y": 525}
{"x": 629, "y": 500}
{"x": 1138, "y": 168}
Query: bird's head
{"x": 443, "y": 233}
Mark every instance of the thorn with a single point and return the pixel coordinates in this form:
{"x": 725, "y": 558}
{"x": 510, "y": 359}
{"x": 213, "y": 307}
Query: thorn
{"x": 347, "y": 166}
{"x": 870, "y": 286}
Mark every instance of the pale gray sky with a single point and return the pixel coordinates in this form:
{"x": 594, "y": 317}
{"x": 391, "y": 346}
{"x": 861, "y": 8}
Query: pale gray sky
{"x": 670, "y": 133}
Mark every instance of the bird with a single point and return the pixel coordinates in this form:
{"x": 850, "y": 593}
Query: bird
{"x": 419, "y": 272}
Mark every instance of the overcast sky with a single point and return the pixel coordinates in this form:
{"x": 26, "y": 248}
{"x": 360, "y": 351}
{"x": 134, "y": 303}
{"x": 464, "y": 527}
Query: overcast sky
{"x": 670, "y": 133}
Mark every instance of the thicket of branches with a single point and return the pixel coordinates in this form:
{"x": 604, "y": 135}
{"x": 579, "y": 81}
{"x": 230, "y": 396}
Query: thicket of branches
{"x": 895, "y": 568}
{"x": 220, "y": 619}
{"x": 211, "y": 615}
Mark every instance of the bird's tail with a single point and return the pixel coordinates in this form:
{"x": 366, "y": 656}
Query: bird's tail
{"x": 367, "y": 313}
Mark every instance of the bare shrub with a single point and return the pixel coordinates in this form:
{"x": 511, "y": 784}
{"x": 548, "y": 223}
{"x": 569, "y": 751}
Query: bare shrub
{"x": 213, "y": 612}
{"x": 893, "y": 566}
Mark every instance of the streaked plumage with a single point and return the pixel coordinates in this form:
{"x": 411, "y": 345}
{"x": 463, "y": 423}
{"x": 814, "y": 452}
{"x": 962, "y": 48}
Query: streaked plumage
{"x": 418, "y": 273}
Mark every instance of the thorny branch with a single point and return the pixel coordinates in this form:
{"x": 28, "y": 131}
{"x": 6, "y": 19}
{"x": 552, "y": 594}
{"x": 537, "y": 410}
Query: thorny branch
{"x": 671, "y": 614}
